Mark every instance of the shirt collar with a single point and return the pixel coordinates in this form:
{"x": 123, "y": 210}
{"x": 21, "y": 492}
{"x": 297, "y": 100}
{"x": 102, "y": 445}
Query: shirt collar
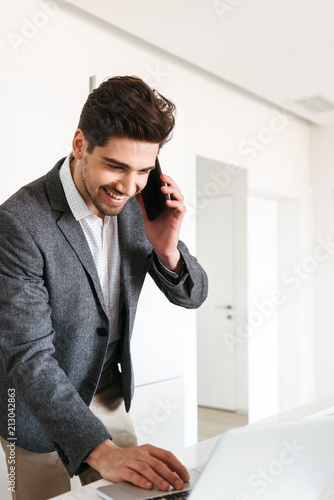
{"x": 76, "y": 203}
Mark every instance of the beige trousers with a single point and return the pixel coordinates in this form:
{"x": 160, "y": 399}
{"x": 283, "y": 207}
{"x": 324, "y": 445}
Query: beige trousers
{"x": 39, "y": 476}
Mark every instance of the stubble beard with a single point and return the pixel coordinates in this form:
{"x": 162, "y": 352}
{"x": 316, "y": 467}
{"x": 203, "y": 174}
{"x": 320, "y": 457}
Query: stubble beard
{"x": 97, "y": 199}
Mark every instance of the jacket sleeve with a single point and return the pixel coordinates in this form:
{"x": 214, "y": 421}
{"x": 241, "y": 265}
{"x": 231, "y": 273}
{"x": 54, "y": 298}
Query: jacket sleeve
{"x": 27, "y": 350}
{"x": 191, "y": 289}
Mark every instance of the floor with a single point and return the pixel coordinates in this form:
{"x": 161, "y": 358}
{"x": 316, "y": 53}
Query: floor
{"x": 212, "y": 422}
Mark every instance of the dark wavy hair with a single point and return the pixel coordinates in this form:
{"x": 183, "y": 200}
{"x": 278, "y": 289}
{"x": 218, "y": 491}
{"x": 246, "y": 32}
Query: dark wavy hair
{"x": 125, "y": 106}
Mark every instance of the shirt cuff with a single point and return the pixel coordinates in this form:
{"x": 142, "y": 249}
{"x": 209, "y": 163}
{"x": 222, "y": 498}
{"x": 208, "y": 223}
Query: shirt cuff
{"x": 167, "y": 272}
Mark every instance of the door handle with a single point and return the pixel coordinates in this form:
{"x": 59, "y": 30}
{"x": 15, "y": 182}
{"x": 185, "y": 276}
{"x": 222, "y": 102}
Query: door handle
{"x": 223, "y": 307}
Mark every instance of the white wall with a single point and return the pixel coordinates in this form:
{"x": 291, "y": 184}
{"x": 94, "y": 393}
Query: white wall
{"x": 322, "y": 154}
{"x": 45, "y": 82}
{"x": 263, "y": 316}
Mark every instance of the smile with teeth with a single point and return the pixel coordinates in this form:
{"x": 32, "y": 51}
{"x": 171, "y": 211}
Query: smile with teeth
{"x": 115, "y": 196}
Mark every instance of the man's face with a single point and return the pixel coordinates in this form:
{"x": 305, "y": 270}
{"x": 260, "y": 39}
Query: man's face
{"x": 113, "y": 174}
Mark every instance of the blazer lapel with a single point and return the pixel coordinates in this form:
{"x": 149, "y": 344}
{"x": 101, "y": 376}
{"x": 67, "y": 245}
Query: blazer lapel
{"x": 71, "y": 228}
{"x": 134, "y": 251}
{"x": 124, "y": 231}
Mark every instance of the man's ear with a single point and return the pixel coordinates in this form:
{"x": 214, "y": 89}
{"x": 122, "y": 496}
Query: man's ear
{"x": 79, "y": 144}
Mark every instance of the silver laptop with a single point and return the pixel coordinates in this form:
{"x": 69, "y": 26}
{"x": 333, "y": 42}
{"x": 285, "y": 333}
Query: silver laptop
{"x": 289, "y": 461}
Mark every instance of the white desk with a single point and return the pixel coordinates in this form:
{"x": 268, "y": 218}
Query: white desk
{"x": 197, "y": 454}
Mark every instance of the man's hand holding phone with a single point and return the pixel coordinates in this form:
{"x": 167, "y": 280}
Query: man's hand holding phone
{"x": 163, "y": 232}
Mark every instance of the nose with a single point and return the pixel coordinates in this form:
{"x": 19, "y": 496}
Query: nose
{"x": 127, "y": 184}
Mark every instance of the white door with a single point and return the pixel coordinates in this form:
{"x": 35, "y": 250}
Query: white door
{"x": 216, "y": 317}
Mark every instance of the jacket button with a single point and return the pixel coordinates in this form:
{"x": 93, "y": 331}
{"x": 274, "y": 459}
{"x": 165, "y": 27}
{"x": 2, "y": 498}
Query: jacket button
{"x": 91, "y": 384}
{"x": 103, "y": 332}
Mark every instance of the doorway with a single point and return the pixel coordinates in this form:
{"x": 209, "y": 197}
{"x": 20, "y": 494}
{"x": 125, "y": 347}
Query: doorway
{"x": 222, "y": 250}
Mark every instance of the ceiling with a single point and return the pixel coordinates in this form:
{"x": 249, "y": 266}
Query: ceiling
{"x": 279, "y": 50}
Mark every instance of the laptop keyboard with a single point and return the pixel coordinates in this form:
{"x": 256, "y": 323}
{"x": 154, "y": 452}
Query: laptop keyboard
{"x": 169, "y": 496}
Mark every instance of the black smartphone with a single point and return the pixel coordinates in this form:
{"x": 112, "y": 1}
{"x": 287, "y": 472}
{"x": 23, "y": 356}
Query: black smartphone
{"x": 154, "y": 199}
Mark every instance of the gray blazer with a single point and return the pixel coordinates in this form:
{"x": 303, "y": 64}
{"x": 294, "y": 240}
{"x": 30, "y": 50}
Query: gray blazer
{"x": 53, "y": 319}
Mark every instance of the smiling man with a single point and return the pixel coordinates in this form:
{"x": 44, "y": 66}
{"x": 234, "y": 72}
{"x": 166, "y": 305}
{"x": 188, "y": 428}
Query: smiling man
{"x": 106, "y": 183}
{"x": 75, "y": 246}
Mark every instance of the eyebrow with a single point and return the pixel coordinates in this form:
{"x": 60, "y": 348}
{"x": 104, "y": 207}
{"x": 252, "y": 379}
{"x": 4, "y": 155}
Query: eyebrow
{"x": 125, "y": 165}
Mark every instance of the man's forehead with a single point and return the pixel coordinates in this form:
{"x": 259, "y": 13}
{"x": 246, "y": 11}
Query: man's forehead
{"x": 128, "y": 141}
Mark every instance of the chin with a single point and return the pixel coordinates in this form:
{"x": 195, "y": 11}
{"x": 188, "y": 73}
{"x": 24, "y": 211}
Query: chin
{"x": 113, "y": 210}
